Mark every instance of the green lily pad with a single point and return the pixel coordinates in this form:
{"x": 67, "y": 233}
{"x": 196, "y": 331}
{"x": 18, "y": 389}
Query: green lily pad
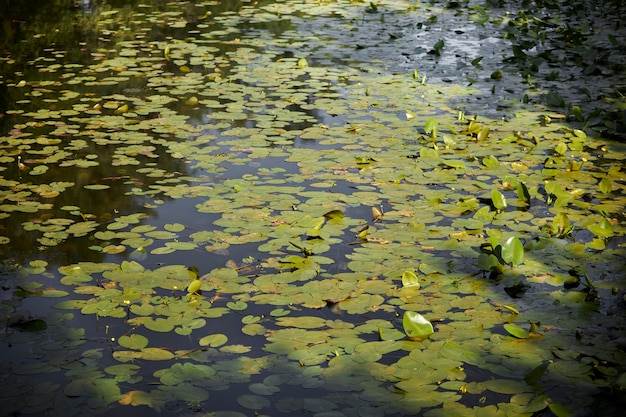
{"x": 517, "y": 331}
{"x": 213, "y": 340}
{"x": 603, "y": 229}
{"x": 134, "y": 341}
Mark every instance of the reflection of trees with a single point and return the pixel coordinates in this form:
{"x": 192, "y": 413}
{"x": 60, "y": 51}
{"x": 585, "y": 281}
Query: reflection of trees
{"x": 56, "y": 32}
{"x": 581, "y": 42}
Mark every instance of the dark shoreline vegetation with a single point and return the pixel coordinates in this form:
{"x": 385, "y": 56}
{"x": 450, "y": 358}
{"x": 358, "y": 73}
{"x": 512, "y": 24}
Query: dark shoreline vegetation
{"x": 325, "y": 208}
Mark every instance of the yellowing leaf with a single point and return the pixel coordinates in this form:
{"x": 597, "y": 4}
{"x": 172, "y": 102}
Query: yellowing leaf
{"x": 194, "y": 287}
{"x": 121, "y": 109}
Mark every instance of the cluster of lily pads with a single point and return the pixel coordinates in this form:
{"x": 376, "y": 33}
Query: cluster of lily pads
{"x": 235, "y": 213}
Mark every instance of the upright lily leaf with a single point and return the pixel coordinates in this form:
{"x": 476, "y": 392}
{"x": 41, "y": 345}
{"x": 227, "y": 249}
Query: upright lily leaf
{"x": 522, "y": 193}
{"x": 513, "y": 250}
{"x": 560, "y": 148}
{"x": 476, "y": 61}
{"x": 194, "y": 286}
{"x": 303, "y": 63}
{"x": 602, "y": 229}
{"x": 498, "y": 200}
{"x": 376, "y": 213}
{"x": 431, "y": 127}
{"x": 483, "y": 134}
{"x": 554, "y": 100}
{"x": 533, "y": 376}
{"x": 491, "y": 162}
{"x": 605, "y": 186}
{"x": 409, "y": 279}
{"x": 416, "y": 326}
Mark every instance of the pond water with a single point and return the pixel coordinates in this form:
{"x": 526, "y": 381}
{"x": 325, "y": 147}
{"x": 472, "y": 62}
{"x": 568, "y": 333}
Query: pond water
{"x": 326, "y": 208}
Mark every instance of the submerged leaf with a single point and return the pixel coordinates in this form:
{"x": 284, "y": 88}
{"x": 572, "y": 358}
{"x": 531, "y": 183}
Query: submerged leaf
{"x": 34, "y": 325}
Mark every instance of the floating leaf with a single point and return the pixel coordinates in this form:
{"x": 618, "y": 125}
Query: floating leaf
{"x": 390, "y": 334}
{"x": 174, "y": 227}
{"x": 559, "y": 410}
{"x": 39, "y": 170}
{"x": 491, "y": 162}
{"x": 455, "y": 163}
{"x": 213, "y": 340}
{"x": 560, "y": 148}
{"x": 279, "y": 312}
{"x": 253, "y": 402}
{"x": 517, "y": 331}
{"x": 134, "y": 341}
{"x": 506, "y": 386}
{"x": 159, "y": 324}
{"x": 97, "y": 187}
{"x": 113, "y": 249}
{"x": 238, "y": 306}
